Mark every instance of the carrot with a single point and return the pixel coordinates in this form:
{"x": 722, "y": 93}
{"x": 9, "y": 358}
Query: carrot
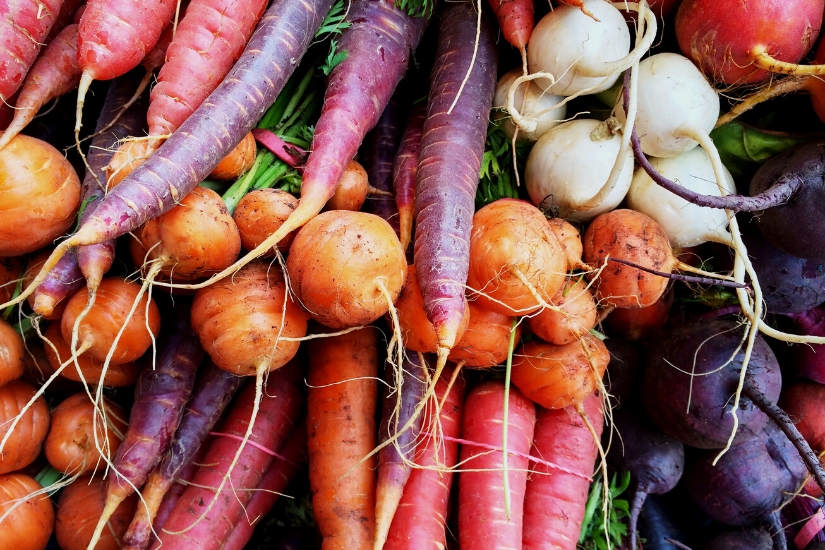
{"x": 260, "y": 213}
{"x": 171, "y": 498}
{"x": 282, "y": 37}
{"x": 280, "y": 407}
{"x": 62, "y": 281}
{"x": 23, "y": 441}
{"x": 79, "y": 507}
{"x": 160, "y": 396}
{"x": 351, "y": 191}
{"x": 404, "y": 171}
{"x": 421, "y": 518}
{"x": 452, "y": 145}
{"x": 555, "y": 500}
{"x": 69, "y": 9}
{"x": 575, "y": 316}
{"x": 486, "y": 341}
{"x": 12, "y": 354}
{"x": 482, "y": 521}
{"x": 70, "y": 446}
{"x": 53, "y": 74}
{"x": 238, "y": 161}
{"x": 214, "y": 388}
{"x": 24, "y": 27}
{"x": 293, "y": 457}
{"x": 27, "y": 521}
{"x": 516, "y": 20}
{"x": 570, "y": 241}
{"x": 342, "y": 377}
{"x": 393, "y": 461}
{"x": 378, "y": 151}
{"x": 39, "y": 195}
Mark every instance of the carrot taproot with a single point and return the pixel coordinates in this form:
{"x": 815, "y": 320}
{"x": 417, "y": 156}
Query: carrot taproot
{"x": 160, "y": 396}
{"x": 282, "y": 37}
{"x": 25, "y": 439}
{"x": 486, "y": 341}
{"x": 12, "y": 353}
{"x": 214, "y": 388}
{"x": 575, "y": 316}
{"x": 378, "y": 151}
{"x": 79, "y": 507}
{"x": 393, "y": 461}
{"x": 63, "y": 281}
{"x": 482, "y": 521}
{"x": 554, "y": 501}
{"x": 279, "y": 410}
{"x": 516, "y": 20}
{"x": 452, "y": 145}
{"x": 53, "y": 74}
{"x": 260, "y": 213}
{"x": 30, "y": 523}
{"x": 421, "y": 518}
{"x": 292, "y": 458}
{"x": 404, "y": 171}
{"x": 343, "y": 392}
{"x": 171, "y": 498}
{"x": 352, "y": 189}
{"x": 24, "y": 27}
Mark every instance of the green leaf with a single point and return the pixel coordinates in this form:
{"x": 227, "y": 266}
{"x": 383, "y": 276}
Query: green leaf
{"x": 334, "y": 21}
{"x": 333, "y": 58}
{"x": 743, "y": 148}
{"x": 593, "y": 535}
{"x": 497, "y": 177}
{"x": 418, "y": 8}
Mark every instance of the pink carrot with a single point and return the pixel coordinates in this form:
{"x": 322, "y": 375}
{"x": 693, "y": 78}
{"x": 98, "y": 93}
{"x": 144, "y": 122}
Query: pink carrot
{"x": 421, "y": 518}
{"x": 53, "y": 74}
{"x": 275, "y": 481}
{"x": 482, "y": 519}
{"x": 554, "y": 502}
{"x": 405, "y": 170}
{"x": 65, "y": 17}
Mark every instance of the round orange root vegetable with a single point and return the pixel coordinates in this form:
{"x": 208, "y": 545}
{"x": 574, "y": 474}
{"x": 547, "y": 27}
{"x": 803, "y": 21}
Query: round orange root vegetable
{"x": 570, "y": 241}
{"x": 241, "y": 324}
{"x": 634, "y": 237}
{"x": 559, "y": 376}
{"x": 39, "y": 195}
{"x": 26, "y": 438}
{"x": 129, "y": 155}
{"x": 124, "y": 374}
{"x": 260, "y": 213}
{"x": 486, "y": 340}
{"x": 29, "y": 526}
{"x": 346, "y": 268}
{"x": 194, "y": 239}
{"x": 78, "y": 510}
{"x": 238, "y": 161}
{"x": 417, "y": 330}
{"x": 352, "y": 189}
{"x": 12, "y": 353}
{"x": 577, "y": 315}
{"x": 97, "y": 331}
{"x": 516, "y": 262}
{"x": 70, "y": 446}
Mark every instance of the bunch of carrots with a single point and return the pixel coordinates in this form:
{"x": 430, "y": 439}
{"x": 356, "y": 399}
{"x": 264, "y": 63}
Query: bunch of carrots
{"x": 295, "y": 214}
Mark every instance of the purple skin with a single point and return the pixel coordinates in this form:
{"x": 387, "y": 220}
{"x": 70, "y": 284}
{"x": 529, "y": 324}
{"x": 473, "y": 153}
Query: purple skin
{"x": 654, "y": 460}
{"x": 452, "y": 147}
{"x": 667, "y": 384}
{"x": 68, "y": 275}
{"x": 795, "y": 226}
{"x": 215, "y": 128}
{"x": 810, "y": 359}
{"x": 797, "y": 512}
{"x": 740, "y": 539}
{"x": 160, "y": 396}
{"x": 749, "y": 482}
{"x": 405, "y": 169}
{"x": 378, "y": 152}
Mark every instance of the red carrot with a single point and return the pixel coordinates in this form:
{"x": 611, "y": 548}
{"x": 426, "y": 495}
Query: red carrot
{"x": 554, "y": 502}
{"x": 281, "y": 405}
{"x": 420, "y": 521}
{"x": 404, "y": 171}
{"x": 65, "y": 17}
{"x": 24, "y": 27}
{"x": 482, "y": 518}
{"x": 516, "y": 20}
{"x": 276, "y": 479}
{"x": 53, "y": 74}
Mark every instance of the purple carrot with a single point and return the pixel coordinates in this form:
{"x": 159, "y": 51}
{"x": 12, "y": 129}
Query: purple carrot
{"x": 92, "y": 262}
{"x": 393, "y": 470}
{"x": 276, "y": 479}
{"x": 378, "y": 152}
{"x": 160, "y": 396}
{"x": 214, "y": 389}
{"x": 210, "y": 133}
{"x": 452, "y": 147}
{"x": 172, "y": 496}
{"x": 405, "y": 169}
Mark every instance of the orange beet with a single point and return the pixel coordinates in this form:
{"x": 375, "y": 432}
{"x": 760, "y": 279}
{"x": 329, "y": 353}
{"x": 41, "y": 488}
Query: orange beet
{"x": 352, "y": 189}
{"x": 238, "y": 161}
{"x": 569, "y": 239}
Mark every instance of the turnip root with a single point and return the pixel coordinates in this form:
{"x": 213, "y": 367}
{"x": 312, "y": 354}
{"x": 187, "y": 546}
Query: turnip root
{"x": 532, "y": 103}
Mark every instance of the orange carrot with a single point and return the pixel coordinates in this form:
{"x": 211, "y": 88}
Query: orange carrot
{"x": 11, "y": 353}
{"x": 26, "y": 438}
{"x": 30, "y": 524}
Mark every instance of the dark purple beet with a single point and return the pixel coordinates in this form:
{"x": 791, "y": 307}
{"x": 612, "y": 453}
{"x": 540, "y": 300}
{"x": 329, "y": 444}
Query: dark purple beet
{"x": 660, "y": 520}
{"x": 749, "y": 482}
{"x": 668, "y": 385}
{"x": 809, "y": 361}
{"x": 740, "y": 539}
{"x": 789, "y": 284}
{"x": 796, "y": 226}
{"x": 654, "y": 460}
{"x": 624, "y": 374}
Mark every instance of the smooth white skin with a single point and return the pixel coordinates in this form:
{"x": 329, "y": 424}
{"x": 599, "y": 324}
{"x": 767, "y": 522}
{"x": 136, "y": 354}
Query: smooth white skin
{"x": 686, "y": 224}
{"x": 568, "y": 165}
{"x": 531, "y": 104}
{"x": 673, "y": 97}
{"x": 567, "y": 39}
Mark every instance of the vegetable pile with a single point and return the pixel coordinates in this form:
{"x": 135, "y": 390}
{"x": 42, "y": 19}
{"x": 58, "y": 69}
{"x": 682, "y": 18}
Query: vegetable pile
{"x": 358, "y": 274}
